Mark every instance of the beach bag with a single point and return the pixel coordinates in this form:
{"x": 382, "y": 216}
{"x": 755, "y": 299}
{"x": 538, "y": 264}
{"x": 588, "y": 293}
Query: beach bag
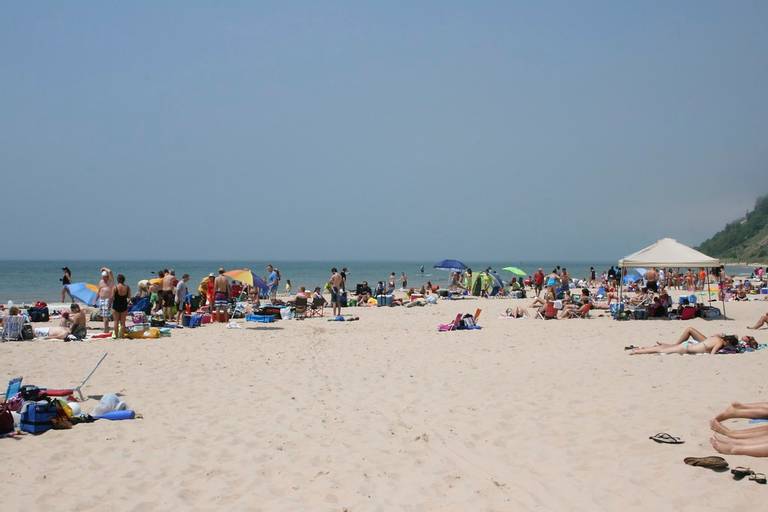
{"x": 640, "y": 314}
{"x": 688, "y": 313}
{"x": 710, "y": 313}
{"x": 37, "y": 417}
{"x": 6, "y": 419}
{"x": 27, "y": 332}
{"x": 38, "y": 314}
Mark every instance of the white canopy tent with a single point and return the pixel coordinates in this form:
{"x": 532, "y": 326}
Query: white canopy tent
{"x": 668, "y": 253}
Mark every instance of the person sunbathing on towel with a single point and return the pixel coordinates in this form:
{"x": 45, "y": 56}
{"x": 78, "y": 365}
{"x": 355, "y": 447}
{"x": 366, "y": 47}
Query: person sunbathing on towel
{"x": 763, "y": 320}
{"x": 701, "y": 344}
{"x": 515, "y": 312}
{"x": 52, "y": 333}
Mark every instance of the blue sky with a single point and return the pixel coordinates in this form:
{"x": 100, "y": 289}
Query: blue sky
{"x": 477, "y": 130}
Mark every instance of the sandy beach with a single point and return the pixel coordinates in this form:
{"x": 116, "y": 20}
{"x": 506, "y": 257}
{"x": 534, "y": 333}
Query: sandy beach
{"x": 388, "y": 414}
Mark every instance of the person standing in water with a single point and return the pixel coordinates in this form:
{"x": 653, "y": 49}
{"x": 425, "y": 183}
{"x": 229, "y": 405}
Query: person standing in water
{"x": 404, "y": 280}
{"x": 66, "y": 280}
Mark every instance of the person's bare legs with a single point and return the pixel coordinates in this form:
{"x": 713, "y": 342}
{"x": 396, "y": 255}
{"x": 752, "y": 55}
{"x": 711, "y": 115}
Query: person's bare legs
{"x": 763, "y": 320}
{"x": 691, "y": 332}
{"x": 124, "y": 331}
{"x": 748, "y": 411}
{"x": 753, "y": 447}
{"x": 659, "y": 349}
{"x": 746, "y": 433}
{"x": 116, "y": 321}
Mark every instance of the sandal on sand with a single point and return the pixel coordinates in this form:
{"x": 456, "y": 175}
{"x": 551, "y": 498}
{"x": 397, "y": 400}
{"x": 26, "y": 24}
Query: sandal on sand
{"x": 740, "y": 472}
{"x": 715, "y": 463}
{"x": 631, "y": 347}
{"x": 663, "y": 437}
{"x": 758, "y": 477}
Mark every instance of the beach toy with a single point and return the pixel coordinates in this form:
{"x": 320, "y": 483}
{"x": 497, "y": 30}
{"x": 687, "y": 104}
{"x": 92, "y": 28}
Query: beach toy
{"x": 126, "y": 414}
{"x": 75, "y": 408}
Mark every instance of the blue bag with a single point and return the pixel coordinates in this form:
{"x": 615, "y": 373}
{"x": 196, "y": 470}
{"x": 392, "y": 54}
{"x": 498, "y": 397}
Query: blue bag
{"x": 37, "y": 417}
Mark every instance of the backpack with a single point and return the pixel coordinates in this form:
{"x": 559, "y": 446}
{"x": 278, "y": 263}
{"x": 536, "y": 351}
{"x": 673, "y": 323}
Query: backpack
{"x": 27, "y": 332}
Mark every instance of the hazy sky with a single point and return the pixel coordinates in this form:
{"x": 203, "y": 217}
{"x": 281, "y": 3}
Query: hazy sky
{"x": 323, "y": 130}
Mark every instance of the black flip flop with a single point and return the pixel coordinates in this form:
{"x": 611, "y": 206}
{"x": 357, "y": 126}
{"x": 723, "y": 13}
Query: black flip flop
{"x": 758, "y": 477}
{"x": 631, "y": 347}
{"x": 740, "y": 472}
{"x": 715, "y": 463}
{"x": 664, "y": 438}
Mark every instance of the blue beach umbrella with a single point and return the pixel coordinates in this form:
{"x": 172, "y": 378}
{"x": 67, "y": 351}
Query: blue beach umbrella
{"x": 452, "y": 265}
{"x": 84, "y": 292}
{"x": 632, "y": 276}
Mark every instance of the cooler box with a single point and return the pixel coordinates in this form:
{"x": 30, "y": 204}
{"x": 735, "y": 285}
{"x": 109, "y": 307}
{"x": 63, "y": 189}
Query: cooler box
{"x": 764, "y": 291}
{"x": 384, "y": 300}
{"x": 37, "y": 417}
{"x": 264, "y": 319}
{"x": 195, "y": 320}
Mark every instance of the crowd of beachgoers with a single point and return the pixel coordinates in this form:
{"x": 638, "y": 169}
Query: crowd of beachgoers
{"x": 555, "y": 295}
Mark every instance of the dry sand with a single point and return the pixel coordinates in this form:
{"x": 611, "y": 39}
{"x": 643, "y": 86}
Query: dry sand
{"x": 388, "y": 414}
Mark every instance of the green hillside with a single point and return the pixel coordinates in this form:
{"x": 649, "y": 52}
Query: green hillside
{"x": 743, "y": 240}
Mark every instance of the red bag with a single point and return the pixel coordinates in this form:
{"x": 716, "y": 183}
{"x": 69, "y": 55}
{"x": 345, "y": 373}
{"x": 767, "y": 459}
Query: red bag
{"x": 688, "y": 313}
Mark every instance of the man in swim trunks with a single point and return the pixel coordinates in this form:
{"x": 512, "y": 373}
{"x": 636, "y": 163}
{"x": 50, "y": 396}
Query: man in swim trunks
{"x": 106, "y": 290}
{"x": 272, "y": 282}
{"x": 221, "y": 291}
{"x": 336, "y": 282}
{"x": 651, "y": 280}
{"x": 167, "y": 294}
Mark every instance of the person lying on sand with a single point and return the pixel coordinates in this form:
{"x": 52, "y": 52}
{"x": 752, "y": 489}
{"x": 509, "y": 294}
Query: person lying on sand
{"x": 702, "y": 344}
{"x": 515, "y": 312}
{"x": 763, "y": 320}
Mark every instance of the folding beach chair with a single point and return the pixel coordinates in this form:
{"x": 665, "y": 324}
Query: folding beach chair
{"x": 316, "y": 309}
{"x": 550, "y": 312}
{"x": 452, "y": 326}
{"x": 15, "y": 384}
{"x": 300, "y": 308}
{"x": 238, "y": 310}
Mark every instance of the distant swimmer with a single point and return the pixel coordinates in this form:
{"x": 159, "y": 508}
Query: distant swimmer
{"x": 421, "y": 269}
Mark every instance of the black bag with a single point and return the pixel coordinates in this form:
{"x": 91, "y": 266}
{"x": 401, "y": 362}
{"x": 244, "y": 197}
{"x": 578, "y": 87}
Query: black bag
{"x": 38, "y": 314}
{"x": 30, "y": 393}
{"x": 27, "y": 332}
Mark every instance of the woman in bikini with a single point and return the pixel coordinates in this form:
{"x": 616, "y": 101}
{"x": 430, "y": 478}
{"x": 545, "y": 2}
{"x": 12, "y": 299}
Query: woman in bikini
{"x": 701, "y": 344}
{"x": 120, "y": 306}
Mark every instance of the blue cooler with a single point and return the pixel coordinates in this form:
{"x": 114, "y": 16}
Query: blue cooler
{"x": 37, "y": 417}
{"x": 617, "y": 309}
{"x": 195, "y": 320}
{"x": 384, "y": 300}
